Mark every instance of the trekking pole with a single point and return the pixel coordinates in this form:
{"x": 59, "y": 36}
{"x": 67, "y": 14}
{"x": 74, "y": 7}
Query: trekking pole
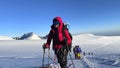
{"x": 70, "y": 57}
{"x": 52, "y": 59}
{"x": 43, "y": 58}
{"x": 48, "y": 56}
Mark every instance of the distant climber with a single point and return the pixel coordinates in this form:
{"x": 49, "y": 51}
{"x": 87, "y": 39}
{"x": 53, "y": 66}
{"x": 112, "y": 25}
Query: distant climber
{"x": 77, "y": 52}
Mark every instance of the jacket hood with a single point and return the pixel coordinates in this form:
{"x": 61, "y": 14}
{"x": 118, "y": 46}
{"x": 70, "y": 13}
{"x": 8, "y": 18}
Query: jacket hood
{"x": 59, "y": 20}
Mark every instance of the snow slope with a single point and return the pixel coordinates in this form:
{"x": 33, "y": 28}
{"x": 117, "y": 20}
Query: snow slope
{"x": 28, "y": 53}
{"x": 98, "y": 44}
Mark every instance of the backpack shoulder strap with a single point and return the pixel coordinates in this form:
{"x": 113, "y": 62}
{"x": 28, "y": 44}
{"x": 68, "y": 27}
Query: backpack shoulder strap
{"x": 63, "y": 32}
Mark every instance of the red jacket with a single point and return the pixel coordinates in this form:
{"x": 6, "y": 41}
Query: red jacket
{"x": 57, "y": 36}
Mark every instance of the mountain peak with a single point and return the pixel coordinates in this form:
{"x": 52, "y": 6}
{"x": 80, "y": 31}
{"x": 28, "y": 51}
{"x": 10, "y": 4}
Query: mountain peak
{"x": 30, "y": 36}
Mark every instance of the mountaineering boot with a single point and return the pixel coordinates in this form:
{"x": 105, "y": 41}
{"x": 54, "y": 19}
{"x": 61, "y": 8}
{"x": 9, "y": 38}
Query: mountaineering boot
{"x": 63, "y": 65}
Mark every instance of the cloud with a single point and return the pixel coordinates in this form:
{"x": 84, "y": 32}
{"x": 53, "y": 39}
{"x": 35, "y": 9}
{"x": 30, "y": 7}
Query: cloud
{"x": 108, "y": 33}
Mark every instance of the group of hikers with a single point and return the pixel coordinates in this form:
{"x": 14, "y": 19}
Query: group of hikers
{"x": 62, "y": 42}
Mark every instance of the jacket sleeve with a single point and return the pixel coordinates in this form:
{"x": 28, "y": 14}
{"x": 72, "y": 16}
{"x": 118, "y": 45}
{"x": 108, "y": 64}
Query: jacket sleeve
{"x": 50, "y": 36}
{"x": 69, "y": 40}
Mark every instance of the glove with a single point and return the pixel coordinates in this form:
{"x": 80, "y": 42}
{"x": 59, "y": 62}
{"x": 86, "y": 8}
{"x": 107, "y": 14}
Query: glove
{"x": 45, "y": 46}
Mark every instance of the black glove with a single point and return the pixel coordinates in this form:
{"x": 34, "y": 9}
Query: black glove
{"x": 44, "y": 47}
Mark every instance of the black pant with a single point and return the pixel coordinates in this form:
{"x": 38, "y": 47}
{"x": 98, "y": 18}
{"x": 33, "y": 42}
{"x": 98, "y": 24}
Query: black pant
{"x": 62, "y": 57}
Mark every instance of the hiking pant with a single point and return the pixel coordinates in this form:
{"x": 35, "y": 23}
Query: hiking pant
{"x": 62, "y": 57}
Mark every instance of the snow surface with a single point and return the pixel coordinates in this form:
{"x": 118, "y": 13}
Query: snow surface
{"x": 5, "y": 38}
{"x": 29, "y": 53}
{"x": 98, "y": 44}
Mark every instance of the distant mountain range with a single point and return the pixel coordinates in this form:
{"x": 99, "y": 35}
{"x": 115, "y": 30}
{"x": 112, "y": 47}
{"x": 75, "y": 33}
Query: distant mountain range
{"x": 29, "y": 36}
{"x": 33, "y": 36}
{"x": 25, "y": 36}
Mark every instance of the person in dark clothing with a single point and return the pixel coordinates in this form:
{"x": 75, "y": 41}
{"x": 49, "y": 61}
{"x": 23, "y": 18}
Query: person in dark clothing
{"x": 61, "y": 42}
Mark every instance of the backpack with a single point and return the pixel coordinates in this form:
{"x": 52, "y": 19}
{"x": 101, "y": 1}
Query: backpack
{"x": 65, "y": 27}
{"x": 78, "y": 50}
{"x": 65, "y": 40}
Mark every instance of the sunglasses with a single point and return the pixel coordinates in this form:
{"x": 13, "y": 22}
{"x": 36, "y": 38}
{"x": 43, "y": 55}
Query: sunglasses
{"x": 56, "y": 23}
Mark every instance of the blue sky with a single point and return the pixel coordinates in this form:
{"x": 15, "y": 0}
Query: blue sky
{"x": 84, "y": 16}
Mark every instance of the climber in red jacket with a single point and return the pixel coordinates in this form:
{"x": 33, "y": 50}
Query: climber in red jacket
{"x": 61, "y": 41}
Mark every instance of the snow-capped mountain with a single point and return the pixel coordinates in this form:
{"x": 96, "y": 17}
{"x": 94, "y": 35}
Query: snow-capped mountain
{"x": 5, "y": 38}
{"x": 30, "y": 36}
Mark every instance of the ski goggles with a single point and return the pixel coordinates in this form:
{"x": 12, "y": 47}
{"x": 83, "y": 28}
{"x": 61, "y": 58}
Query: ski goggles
{"x": 56, "y": 23}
